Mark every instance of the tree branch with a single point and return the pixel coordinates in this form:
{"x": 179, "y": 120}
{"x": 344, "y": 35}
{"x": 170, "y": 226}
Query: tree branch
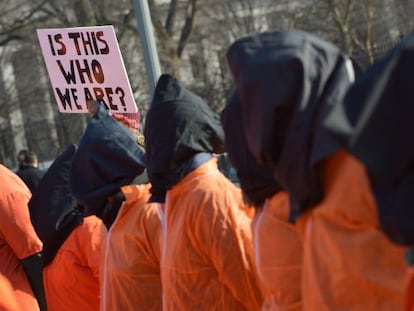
{"x": 172, "y": 13}
{"x": 188, "y": 26}
{"x": 4, "y": 39}
{"x": 156, "y": 22}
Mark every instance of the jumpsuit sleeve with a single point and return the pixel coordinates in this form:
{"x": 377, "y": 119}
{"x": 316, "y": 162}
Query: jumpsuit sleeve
{"x": 16, "y": 228}
{"x": 224, "y": 231}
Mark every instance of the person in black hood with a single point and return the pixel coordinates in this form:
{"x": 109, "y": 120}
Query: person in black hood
{"x": 191, "y": 133}
{"x": 206, "y": 228}
{"x": 288, "y": 83}
{"x": 372, "y": 123}
{"x": 276, "y": 241}
{"x": 108, "y": 179}
{"x": 53, "y": 210}
{"x": 71, "y": 243}
{"x": 257, "y": 181}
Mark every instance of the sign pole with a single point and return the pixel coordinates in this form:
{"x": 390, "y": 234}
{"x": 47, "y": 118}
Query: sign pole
{"x": 146, "y": 35}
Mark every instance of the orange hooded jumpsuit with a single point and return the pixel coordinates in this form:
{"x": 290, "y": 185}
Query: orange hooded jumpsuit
{"x": 18, "y": 239}
{"x": 207, "y": 260}
{"x": 103, "y": 171}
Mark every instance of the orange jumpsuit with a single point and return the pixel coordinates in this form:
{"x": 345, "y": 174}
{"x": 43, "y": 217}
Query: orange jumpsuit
{"x": 72, "y": 278}
{"x": 18, "y": 238}
{"x": 8, "y": 300}
{"x": 131, "y": 278}
{"x": 278, "y": 249}
{"x": 207, "y": 258}
{"x": 349, "y": 264}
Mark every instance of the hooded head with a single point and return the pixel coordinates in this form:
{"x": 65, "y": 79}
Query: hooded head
{"x": 375, "y": 123}
{"x": 257, "y": 181}
{"x": 178, "y": 125}
{"x": 107, "y": 158}
{"x": 287, "y": 82}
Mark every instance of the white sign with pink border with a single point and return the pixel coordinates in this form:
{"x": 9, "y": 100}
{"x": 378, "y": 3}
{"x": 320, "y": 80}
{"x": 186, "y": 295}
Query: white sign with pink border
{"x": 85, "y": 63}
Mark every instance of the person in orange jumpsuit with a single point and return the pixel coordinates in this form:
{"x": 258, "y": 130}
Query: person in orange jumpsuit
{"x": 108, "y": 178}
{"x": 131, "y": 278}
{"x": 8, "y": 300}
{"x": 72, "y": 278}
{"x": 20, "y": 247}
{"x": 207, "y": 260}
{"x": 277, "y": 242}
{"x": 376, "y": 117}
{"x": 71, "y": 243}
{"x": 288, "y": 83}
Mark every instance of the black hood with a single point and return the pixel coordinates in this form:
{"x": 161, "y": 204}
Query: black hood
{"x": 257, "y": 181}
{"x": 53, "y": 210}
{"x": 178, "y": 125}
{"x": 375, "y": 122}
{"x": 108, "y": 157}
{"x": 288, "y": 82}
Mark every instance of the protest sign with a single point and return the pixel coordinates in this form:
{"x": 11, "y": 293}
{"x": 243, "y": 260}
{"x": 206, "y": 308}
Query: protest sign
{"x": 85, "y": 63}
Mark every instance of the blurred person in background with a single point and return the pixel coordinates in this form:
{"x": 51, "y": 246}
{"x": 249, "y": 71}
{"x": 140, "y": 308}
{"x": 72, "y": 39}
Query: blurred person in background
{"x": 20, "y": 157}
{"x": 29, "y": 170}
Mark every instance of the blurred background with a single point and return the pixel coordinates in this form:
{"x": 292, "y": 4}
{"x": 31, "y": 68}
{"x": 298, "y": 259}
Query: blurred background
{"x": 192, "y": 37}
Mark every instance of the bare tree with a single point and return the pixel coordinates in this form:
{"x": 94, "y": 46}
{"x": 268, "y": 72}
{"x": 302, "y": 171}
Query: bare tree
{"x": 364, "y": 29}
{"x": 192, "y": 39}
{"x": 16, "y": 16}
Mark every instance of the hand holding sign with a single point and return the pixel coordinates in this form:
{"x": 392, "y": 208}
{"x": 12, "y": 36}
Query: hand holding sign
{"x": 85, "y": 64}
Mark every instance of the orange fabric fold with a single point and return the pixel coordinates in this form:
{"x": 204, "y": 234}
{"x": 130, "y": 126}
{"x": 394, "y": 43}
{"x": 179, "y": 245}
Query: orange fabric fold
{"x": 349, "y": 264}
{"x": 72, "y": 278}
{"x": 278, "y": 252}
{"x": 207, "y": 259}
